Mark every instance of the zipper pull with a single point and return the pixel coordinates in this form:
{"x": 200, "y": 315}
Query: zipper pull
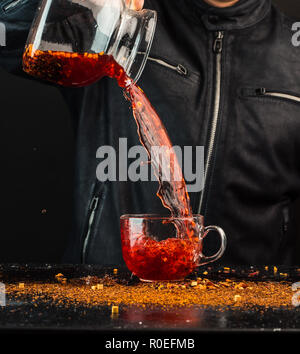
{"x": 11, "y": 5}
{"x": 181, "y": 70}
{"x": 218, "y": 43}
{"x": 92, "y": 208}
{"x": 94, "y": 204}
{"x": 286, "y": 219}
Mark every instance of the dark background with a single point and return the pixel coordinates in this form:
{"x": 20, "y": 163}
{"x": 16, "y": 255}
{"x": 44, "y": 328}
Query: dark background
{"x": 36, "y": 167}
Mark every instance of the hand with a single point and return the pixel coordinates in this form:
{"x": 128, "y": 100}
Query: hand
{"x": 131, "y": 4}
{"x": 135, "y": 4}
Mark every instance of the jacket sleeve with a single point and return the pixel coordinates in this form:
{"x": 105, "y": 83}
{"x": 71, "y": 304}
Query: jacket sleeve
{"x": 16, "y": 17}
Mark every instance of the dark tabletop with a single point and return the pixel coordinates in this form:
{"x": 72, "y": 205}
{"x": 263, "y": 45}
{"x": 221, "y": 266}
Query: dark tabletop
{"x": 26, "y": 315}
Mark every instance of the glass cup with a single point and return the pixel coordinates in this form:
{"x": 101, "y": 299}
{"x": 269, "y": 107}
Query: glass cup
{"x": 153, "y": 251}
{"x": 77, "y": 42}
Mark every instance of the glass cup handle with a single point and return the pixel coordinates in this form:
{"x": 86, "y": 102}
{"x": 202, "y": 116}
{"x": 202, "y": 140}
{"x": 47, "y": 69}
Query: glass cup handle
{"x": 205, "y": 260}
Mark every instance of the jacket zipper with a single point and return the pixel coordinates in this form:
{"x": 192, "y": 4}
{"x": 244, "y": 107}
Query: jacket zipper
{"x": 180, "y": 69}
{"x": 264, "y": 92}
{"x": 11, "y": 5}
{"x": 217, "y": 49}
{"x": 92, "y": 210}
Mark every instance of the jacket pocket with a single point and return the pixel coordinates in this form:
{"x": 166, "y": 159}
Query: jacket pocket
{"x": 265, "y": 93}
{"x": 177, "y": 68}
{"x": 94, "y": 213}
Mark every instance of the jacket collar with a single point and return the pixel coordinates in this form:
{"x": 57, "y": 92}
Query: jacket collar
{"x": 243, "y": 14}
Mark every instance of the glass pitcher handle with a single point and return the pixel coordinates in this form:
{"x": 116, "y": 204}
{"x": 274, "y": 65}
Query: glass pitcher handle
{"x": 220, "y": 231}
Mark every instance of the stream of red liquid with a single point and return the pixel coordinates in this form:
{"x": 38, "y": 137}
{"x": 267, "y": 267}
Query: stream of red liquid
{"x": 173, "y": 258}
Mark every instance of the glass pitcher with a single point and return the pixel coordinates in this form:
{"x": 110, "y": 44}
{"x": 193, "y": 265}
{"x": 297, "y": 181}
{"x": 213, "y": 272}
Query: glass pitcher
{"x": 76, "y": 42}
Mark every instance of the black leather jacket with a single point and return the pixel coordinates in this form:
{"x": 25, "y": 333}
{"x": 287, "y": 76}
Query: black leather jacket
{"x": 227, "y": 79}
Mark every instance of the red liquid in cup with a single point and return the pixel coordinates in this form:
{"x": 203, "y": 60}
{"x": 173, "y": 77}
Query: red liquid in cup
{"x": 170, "y": 259}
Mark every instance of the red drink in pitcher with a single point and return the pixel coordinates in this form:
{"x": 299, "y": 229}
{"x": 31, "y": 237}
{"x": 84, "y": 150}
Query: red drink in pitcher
{"x": 72, "y": 69}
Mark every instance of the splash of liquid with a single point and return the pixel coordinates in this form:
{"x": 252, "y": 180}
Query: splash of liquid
{"x": 81, "y": 69}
